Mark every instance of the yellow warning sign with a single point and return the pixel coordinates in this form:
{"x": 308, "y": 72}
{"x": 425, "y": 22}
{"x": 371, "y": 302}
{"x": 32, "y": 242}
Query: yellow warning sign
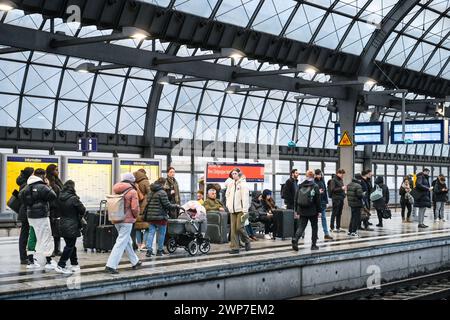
{"x": 346, "y": 141}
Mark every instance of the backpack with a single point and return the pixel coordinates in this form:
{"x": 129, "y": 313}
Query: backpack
{"x": 329, "y": 188}
{"x": 115, "y": 205}
{"x": 305, "y": 196}
{"x": 377, "y": 194}
{"x": 283, "y": 191}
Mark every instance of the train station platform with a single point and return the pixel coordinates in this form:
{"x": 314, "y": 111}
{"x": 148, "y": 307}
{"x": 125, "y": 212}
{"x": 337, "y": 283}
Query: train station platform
{"x": 271, "y": 270}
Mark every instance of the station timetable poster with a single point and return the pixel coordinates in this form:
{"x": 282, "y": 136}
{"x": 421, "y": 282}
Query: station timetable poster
{"x": 152, "y": 168}
{"x": 93, "y": 179}
{"x": 367, "y": 133}
{"x": 219, "y": 172}
{"x": 15, "y": 164}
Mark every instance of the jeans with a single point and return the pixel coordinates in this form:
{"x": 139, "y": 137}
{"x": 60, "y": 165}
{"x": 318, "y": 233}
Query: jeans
{"x": 161, "y": 235}
{"x": 69, "y": 252}
{"x": 237, "y": 231}
{"x": 23, "y": 239}
{"x": 338, "y": 205}
{"x": 303, "y": 222}
{"x": 405, "y": 205}
{"x": 355, "y": 220}
{"x": 324, "y": 220}
{"x": 439, "y": 214}
{"x": 422, "y": 215}
{"x": 142, "y": 236}
{"x": 249, "y": 230}
{"x": 123, "y": 243}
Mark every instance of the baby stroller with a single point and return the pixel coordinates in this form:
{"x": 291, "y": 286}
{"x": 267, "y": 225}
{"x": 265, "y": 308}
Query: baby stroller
{"x": 188, "y": 233}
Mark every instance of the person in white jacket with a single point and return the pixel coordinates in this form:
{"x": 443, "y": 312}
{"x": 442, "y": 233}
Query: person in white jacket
{"x": 238, "y": 202}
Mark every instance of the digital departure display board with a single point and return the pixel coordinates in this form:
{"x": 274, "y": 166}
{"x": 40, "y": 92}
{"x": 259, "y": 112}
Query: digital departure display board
{"x": 366, "y": 133}
{"x": 420, "y": 131}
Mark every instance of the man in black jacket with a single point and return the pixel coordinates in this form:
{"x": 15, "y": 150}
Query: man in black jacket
{"x": 366, "y": 184}
{"x": 36, "y": 197}
{"x": 308, "y": 206}
{"x": 22, "y": 216}
{"x": 290, "y": 189}
{"x": 337, "y": 190}
{"x": 323, "y": 202}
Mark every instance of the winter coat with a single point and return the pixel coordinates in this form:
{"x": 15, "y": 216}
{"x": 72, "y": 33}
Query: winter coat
{"x": 355, "y": 194}
{"x": 56, "y": 184}
{"x": 337, "y": 193}
{"x": 381, "y": 203}
{"x": 291, "y": 186}
{"x": 367, "y": 188}
{"x": 158, "y": 204}
{"x": 237, "y": 196}
{"x": 172, "y": 184}
{"x": 131, "y": 200}
{"x": 439, "y": 195}
{"x": 403, "y": 191}
{"x": 22, "y": 183}
{"x": 144, "y": 187}
{"x": 256, "y": 210}
{"x": 212, "y": 205}
{"x": 315, "y": 207}
{"x": 72, "y": 210}
{"x": 36, "y": 196}
{"x": 323, "y": 196}
{"x": 422, "y": 195}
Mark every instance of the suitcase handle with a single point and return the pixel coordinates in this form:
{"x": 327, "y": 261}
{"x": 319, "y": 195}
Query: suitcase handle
{"x": 102, "y": 205}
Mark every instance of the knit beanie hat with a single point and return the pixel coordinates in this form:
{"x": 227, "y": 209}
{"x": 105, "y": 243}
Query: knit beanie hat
{"x": 128, "y": 177}
{"x": 267, "y": 192}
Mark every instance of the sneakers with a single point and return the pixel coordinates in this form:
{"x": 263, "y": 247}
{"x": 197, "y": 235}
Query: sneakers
{"x": 422, "y": 226}
{"x": 149, "y": 253}
{"x": 75, "y": 268}
{"x": 354, "y": 234}
{"x": 234, "y": 251}
{"x": 137, "y": 265}
{"x": 295, "y": 245}
{"x": 247, "y": 246}
{"x": 267, "y": 236}
{"x": 62, "y": 270}
{"x": 159, "y": 253}
{"x": 328, "y": 237}
{"x": 33, "y": 265}
{"x": 314, "y": 247}
{"x": 51, "y": 266}
{"x": 111, "y": 270}
{"x": 379, "y": 225}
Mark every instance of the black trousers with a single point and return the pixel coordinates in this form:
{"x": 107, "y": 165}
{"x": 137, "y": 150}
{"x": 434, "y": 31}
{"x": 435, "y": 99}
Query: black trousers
{"x": 23, "y": 239}
{"x": 405, "y": 205}
{"x": 336, "y": 214}
{"x": 302, "y": 223}
{"x": 268, "y": 224}
{"x": 69, "y": 252}
{"x": 380, "y": 217}
{"x": 355, "y": 221}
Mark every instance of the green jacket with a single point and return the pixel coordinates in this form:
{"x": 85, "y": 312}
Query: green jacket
{"x": 212, "y": 205}
{"x": 355, "y": 194}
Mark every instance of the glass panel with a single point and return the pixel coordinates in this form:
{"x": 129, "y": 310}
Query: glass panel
{"x": 273, "y": 15}
{"x": 410, "y": 170}
{"x": 305, "y": 22}
{"x": 183, "y": 125}
{"x": 132, "y": 121}
{"x": 300, "y": 166}
{"x": 401, "y": 170}
{"x": 71, "y": 115}
{"x": 137, "y": 93}
{"x": 279, "y": 180}
{"x": 358, "y": 168}
{"x": 164, "y": 161}
{"x": 103, "y": 118}
{"x": 163, "y": 121}
{"x": 42, "y": 81}
{"x": 108, "y": 89}
{"x": 11, "y": 76}
{"x": 282, "y": 166}
{"x": 9, "y": 106}
{"x": 390, "y": 169}
{"x": 181, "y": 163}
{"x": 184, "y": 181}
{"x": 237, "y": 12}
{"x": 37, "y": 113}
{"x": 329, "y": 168}
{"x": 202, "y": 8}
{"x": 332, "y": 31}
{"x": 313, "y": 165}
{"x": 380, "y": 169}
{"x": 76, "y": 85}
{"x": 188, "y": 99}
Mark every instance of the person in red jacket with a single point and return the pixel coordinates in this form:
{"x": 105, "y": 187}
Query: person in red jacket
{"x": 124, "y": 241}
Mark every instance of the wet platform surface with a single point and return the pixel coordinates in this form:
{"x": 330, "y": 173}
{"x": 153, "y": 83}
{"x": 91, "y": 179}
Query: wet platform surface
{"x": 16, "y": 278}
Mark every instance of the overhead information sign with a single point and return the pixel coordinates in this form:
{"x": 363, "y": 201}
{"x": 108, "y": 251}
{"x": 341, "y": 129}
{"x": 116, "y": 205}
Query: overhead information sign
{"x": 219, "y": 172}
{"x": 366, "y": 133}
{"x": 14, "y": 164}
{"x": 93, "y": 179}
{"x": 420, "y": 131}
{"x": 151, "y": 167}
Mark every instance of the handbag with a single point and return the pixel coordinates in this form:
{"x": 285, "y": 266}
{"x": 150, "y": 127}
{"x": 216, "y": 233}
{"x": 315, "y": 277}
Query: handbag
{"x": 14, "y": 202}
{"x": 386, "y": 213}
{"x": 377, "y": 194}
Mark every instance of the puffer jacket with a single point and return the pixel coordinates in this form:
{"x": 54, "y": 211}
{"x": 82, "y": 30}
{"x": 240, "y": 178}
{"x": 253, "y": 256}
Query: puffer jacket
{"x": 237, "y": 196}
{"x": 256, "y": 210}
{"x": 422, "y": 195}
{"x": 144, "y": 187}
{"x": 22, "y": 183}
{"x": 337, "y": 193}
{"x": 355, "y": 194}
{"x": 36, "y": 197}
{"x": 439, "y": 195}
{"x": 158, "y": 204}
{"x": 131, "y": 200}
{"x": 72, "y": 210}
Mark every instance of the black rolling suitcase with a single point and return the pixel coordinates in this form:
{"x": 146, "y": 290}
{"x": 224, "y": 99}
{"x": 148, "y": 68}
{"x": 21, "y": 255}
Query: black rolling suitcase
{"x": 89, "y": 230}
{"x": 106, "y": 233}
{"x": 283, "y": 223}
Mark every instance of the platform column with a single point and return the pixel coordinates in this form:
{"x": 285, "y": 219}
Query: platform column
{"x": 368, "y": 150}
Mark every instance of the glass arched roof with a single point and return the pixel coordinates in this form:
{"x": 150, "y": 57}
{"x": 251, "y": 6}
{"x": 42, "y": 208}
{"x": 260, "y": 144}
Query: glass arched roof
{"x": 41, "y": 90}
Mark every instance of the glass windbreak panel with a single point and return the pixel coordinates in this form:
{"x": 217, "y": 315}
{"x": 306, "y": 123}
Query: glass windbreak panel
{"x": 390, "y": 169}
{"x": 401, "y": 170}
{"x": 390, "y": 183}
{"x": 436, "y": 171}
{"x": 410, "y": 170}
{"x": 279, "y": 180}
{"x": 181, "y": 163}
{"x": 380, "y": 170}
{"x": 184, "y": 181}
{"x": 200, "y": 163}
{"x": 300, "y": 166}
{"x": 329, "y": 167}
{"x": 313, "y": 165}
{"x": 358, "y": 168}
{"x": 163, "y": 159}
{"x": 268, "y": 178}
{"x": 267, "y": 166}
{"x": 281, "y": 166}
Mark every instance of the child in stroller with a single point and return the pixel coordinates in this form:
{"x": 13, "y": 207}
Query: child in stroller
{"x": 189, "y": 230}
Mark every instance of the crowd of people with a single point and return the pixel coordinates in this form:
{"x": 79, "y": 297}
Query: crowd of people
{"x": 51, "y": 210}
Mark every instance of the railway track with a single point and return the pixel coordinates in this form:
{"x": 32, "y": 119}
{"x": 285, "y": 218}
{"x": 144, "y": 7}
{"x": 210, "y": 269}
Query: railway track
{"x": 434, "y": 286}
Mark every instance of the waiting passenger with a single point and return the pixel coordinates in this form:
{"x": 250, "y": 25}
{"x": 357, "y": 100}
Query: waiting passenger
{"x": 288, "y": 193}
{"x": 255, "y": 212}
{"x": 441, "y": 197}
{"x": 237, "y": 196}
{"x": 268, "y": 205}
{"x": 323, "y": 201}
{"x": 366, "y": 184}
{"x": 406, "y": 200}
{"x": 36, "y": 197}
{"x": 171, "y": 187}
{"x": 156, "y": 213}
{"x": 337, "y": 190}
{"x": 141, "y": 226}
{"x": 72, "y": 211}
{"x": 52, "y": 175}
{"x": 124, "y": 241}
{"x": 382, "y": 203}
{"x": 22, "y": 217}
{"x": 212, "y": 203}
{"x": 308, "y": 206}
{"x": 422, "y": 199}
{"x": 200, "y": 197}
{"x": 355, "y": 196}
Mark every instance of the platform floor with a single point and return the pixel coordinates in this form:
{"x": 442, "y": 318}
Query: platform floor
{"x": 16, "y": 278}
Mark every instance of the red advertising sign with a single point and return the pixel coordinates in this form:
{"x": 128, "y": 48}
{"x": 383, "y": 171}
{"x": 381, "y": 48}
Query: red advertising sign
{"x": 219, "y": 172}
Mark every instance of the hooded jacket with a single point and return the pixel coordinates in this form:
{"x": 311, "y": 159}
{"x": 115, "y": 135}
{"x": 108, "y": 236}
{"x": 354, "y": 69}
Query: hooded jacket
{"x": 237, "y": 196}
{"x": 337, "y": 193}
{"x": 439, "y": 195}
{"x": 36, "y": 197}
{"x": 158, "y": 204}
{"x": 144, "y": 187}
{"x": 422, "y": 195}
{"x": 355, "y": 194}
{"x": 315, "y": 207}
{"x": 72, "y": 210}
{"x": 131, "y": 200}
{"x": 172, "y": 184}
{"x": 21, "y": 181}
{"x": 212, "y": 205}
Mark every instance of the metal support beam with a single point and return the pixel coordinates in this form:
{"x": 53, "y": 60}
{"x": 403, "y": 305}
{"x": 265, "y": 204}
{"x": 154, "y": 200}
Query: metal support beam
{"x": 39, "y": 40}
{"x": 368, "y": 149}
